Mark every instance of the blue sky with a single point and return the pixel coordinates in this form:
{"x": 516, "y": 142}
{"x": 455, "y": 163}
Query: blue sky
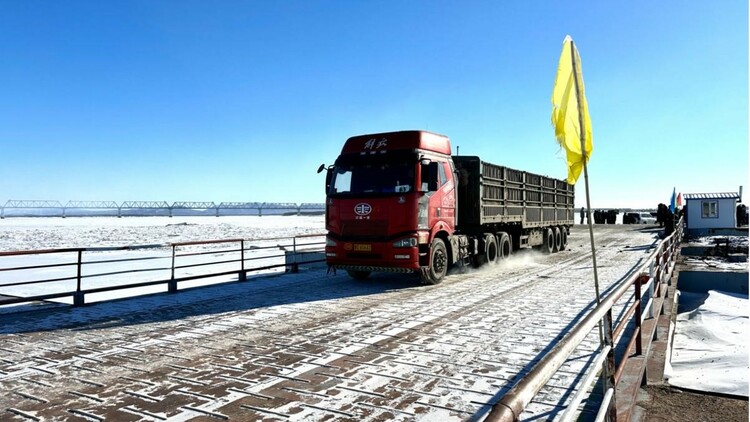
{"x": 242, "y": 101}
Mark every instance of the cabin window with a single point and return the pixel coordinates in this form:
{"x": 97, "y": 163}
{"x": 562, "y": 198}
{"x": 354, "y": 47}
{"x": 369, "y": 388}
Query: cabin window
{"x": 710, "y": 209}
{"x": 373, "y": 178}
{"x": 441, "y": 174}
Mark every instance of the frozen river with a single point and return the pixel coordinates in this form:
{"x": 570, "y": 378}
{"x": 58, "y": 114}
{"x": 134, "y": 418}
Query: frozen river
{"x": 24, "y": 233}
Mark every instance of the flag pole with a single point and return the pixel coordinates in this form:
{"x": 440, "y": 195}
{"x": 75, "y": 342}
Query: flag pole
{"x": 608, "y": 372}
{"x": 585, "y": 167}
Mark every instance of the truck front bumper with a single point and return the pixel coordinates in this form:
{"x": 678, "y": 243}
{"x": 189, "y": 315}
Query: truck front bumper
{"x": 372, "y": 256}
{"x": 371, "y": 268}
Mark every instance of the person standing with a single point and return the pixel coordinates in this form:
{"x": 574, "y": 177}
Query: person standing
{"x": 582, "y": 212}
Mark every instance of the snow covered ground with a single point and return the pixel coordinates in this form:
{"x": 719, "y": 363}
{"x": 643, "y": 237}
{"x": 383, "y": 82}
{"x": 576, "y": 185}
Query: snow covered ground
{"x": 709, "y": 350}
{"x": 81, "y": 232}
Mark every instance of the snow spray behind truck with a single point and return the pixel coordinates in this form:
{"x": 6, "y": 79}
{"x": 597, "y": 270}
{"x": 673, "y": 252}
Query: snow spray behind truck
{"x": 399, "y": 202}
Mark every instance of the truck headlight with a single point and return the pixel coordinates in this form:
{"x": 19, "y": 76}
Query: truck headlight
{"x": 409, "y": 242}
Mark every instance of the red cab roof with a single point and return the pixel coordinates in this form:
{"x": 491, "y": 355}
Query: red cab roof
{"x": 391, "y": 141}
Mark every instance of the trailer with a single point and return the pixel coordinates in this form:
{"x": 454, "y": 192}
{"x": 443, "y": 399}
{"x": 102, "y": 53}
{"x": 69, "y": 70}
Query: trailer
{"x": 399, "y": 202}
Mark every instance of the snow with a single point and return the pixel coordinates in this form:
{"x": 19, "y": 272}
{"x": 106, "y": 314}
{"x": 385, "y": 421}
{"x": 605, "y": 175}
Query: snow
{"x": 732, "y": 241}
{"x": 709, "y": 349}
{"x": 81, "y": 232}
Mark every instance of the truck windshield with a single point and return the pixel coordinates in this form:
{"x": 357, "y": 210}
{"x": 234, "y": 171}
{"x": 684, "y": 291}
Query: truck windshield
{"x": 373, "y": 178}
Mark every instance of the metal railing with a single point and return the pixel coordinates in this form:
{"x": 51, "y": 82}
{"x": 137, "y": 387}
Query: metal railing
{"x": 185, "y": 262}
{"x": 652, "y": 274}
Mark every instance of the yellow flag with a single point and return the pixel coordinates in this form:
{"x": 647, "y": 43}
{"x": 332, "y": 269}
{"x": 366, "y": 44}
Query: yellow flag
{"x": 567, "y": 112}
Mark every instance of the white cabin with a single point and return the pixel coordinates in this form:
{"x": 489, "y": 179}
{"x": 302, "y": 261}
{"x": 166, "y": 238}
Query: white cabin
{"x": 707, "y": 211}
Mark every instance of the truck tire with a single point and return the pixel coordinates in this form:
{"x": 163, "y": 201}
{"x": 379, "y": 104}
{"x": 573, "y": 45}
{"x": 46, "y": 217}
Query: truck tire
{"x": 549, "y": 241}
{"x": 438, "y": 263}
{"x": 490, "y": 255}
{"x": 358, "y": 275}
{"x": 504, "y": 245}
{"x": 490, "y": 248}
{"x": 564, "y": 234}
{"x": 558, "y": 239}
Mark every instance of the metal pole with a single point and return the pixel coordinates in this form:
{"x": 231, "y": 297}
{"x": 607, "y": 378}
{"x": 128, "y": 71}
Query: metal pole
{"x": 172, "y": 282}
{"x": 585, "y": 167}
{"x": 582, "y": 132}
{"x": 243, "y": 274}
{"x": 638, "y": 341}
{"x": 609, "y": 367}
{"x": 78, "y": 297}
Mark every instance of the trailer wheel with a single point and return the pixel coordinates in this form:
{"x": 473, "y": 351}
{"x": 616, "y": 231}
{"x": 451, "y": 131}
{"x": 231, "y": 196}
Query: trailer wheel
{"x": 549, "y": 241}
{"x": 564, "y": 234}
{"x": 438, "y": 263}
{"x": 490, "y": 254}
{"x": 504, "y": 245}
{"x": 558, "y": 239}
{"x": 358, "y": 275}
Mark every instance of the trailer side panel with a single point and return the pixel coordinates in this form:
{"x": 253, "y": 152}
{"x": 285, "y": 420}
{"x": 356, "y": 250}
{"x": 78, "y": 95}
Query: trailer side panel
{"x": 492, "y": 194}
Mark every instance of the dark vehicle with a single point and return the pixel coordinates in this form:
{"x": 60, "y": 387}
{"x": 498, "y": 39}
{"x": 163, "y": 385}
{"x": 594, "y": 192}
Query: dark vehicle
{"x": 631, "y": 218}
{"x": 399, "y": 202}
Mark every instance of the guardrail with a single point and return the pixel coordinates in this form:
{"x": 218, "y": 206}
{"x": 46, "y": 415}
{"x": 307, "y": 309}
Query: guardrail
{"x": 69, "y": 265}
{"x": 652, "y": 274}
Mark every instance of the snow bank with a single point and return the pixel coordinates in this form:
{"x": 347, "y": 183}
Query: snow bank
{"x": 709, "y": 349}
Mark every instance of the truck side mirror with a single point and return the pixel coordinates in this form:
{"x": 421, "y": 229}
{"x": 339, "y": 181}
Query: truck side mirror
{"x": 322, "y": 166}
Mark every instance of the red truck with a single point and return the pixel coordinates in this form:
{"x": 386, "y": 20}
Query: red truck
{"x": 399, "y": 202}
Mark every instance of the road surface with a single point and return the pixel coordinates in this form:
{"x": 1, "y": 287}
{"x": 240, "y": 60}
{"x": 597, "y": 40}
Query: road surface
{"x": 317, "y": 346}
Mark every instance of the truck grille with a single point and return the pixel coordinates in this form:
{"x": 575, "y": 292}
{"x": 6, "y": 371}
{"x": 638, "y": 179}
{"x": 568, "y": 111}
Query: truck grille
{"x": 364, "y": 228}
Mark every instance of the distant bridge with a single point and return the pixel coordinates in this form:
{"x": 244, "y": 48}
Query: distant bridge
{"x": 50, "y": 208}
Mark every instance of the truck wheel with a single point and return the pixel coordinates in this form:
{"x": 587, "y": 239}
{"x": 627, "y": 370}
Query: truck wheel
{"x": 558, "y": 238}
{"x": 564, "y": 234}
{"x": 438, "y": 263}
{"x": 358, "y": 275}
{"x": 504, "y": 245}
{"x": 549, "y": 241}
{"x": 490, "y": 249}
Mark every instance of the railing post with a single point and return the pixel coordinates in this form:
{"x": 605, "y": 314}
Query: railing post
{"x": 295, "y": 266}
{"x": 638, "y": 345}
{"x": 658, "y": 268}
{"x": 78, "y": 299}
{"x": 172, "y": 282}
{"x": 609, "y": 382}
{"x": 243, "y": 274}
{"x": 653, "y": 290}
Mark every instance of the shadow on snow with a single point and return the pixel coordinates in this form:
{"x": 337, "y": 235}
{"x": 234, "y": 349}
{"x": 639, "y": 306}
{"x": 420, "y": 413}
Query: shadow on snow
{"x": 256, "y": 293}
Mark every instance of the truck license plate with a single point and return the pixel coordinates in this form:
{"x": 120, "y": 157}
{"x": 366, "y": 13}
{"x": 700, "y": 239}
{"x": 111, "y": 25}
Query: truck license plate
{"x": 362, "y": 248}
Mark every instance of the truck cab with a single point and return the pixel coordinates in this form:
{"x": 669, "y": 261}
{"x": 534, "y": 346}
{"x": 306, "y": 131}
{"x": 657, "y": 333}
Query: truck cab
{"x": 388, "y": 197}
